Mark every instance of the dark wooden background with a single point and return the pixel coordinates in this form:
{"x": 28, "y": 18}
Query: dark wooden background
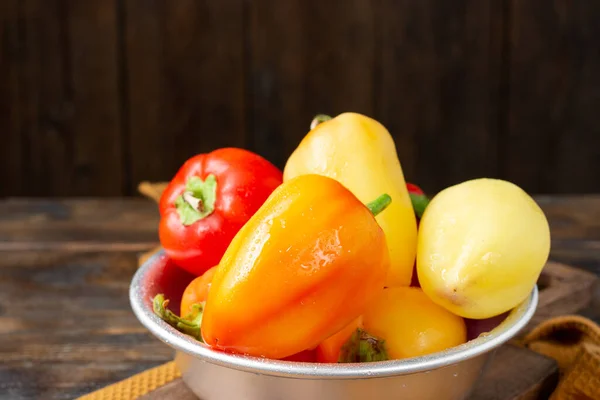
{"x": 98, "y": 95}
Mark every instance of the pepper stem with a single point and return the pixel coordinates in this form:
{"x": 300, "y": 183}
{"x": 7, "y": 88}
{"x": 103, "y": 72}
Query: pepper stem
{"x": 198, "y": 199}
{"x": 190, "y": 324}
{"x": 362, "y": 347}
{"x": 319, "y": 118}
{"x": 379, "y": 204}
{"x": 195, "y": 202}
{"x": 419, "y": 203}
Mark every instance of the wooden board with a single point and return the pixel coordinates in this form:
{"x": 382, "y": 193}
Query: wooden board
{"x": 98, "y": 95}
{"x": 515, "y": 373}
{"x": 64, "y": 127}
{"x": 184, "y": 82}
{"x": 10, "y": 108}
{"x": 303, "y": 62}
{"x": 84, "y": 225}
{"x": 64, "y": 317}
{"x": 437, "y": 87}
{"x": 554, "y": 94}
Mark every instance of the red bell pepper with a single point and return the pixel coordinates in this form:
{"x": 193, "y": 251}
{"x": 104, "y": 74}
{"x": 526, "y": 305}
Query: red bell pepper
{"x": 210, "y": 198}
{"x": 303, "y": 356}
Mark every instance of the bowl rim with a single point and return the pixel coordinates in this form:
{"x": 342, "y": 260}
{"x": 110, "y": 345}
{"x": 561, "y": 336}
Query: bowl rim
{"x": 141, "y": 305}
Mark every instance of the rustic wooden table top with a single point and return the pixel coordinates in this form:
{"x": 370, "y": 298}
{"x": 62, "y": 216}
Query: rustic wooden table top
{"x": 65, "y": 324}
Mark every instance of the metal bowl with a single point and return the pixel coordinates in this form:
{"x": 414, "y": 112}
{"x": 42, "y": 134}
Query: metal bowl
{"x": 215, "y": 375}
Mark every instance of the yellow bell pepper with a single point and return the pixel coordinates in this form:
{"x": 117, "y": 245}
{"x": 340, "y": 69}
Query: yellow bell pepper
{"x": 360, "y": 153}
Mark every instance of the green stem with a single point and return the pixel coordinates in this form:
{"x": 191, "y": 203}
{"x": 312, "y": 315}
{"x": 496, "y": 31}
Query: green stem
{"x": 362, "y": 347}
{"x": 379, "y": 204}
{"x": 420, "y": 203}
{"x": 190, "y": 324}
{"x": 319, "y": 118}
{"x": 198, "y": 199}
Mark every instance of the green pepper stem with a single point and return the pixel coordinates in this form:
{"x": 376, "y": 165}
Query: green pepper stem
{"x": 198, "y": 199}
{"x": 420, "y": 203}
{"x": 190, "y": 324}
{"x": 362, "y": 347}
{"x": 319, "y": 118}
{"x": 379, "y": 204}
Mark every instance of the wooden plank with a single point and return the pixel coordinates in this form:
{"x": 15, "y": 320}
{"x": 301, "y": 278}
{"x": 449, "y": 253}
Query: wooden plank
{"x": 582, "y": 253}
{"x": 46, "y": 108}
{"x": 11, "y": 171}
{"x": 185, "y": 81}
{"x": 97, "y": 124}
{"x": 438, "y": 87}
{"x": 307, "y": 57}
{"x": 517, "y": 374}
{"x": 575, "y": 227}
{"x": 69, "y": 100}
{"x": 553, "y": 141}
{"x": 55, "y": 380}
{"x": 565, "y": 290}
{"x": 572, "y": 217}
{"x": 79, "y": 225}
{"x": 66, "y": 327}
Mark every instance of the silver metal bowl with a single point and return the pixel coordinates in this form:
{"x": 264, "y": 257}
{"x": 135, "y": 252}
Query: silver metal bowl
{"x": 215, "y": 375}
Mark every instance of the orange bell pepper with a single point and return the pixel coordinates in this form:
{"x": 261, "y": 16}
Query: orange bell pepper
{"x": 192, "y": 305}
{"x": 196, "y": 292}
{"x": 191, "y": 308}
{"x": 303, "y": 267}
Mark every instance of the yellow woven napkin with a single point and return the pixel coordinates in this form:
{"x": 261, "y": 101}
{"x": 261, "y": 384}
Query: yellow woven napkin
{"x": 137, "y": 385}
{"x": 573, "y": 341}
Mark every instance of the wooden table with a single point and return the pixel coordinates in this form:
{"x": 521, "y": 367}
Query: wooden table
{"x": 65, "y": 324}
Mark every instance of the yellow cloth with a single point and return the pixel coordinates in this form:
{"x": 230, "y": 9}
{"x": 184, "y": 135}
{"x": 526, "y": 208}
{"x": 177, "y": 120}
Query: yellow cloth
{"x": 573, "y": 341}
{"x": 137, "y": 385}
